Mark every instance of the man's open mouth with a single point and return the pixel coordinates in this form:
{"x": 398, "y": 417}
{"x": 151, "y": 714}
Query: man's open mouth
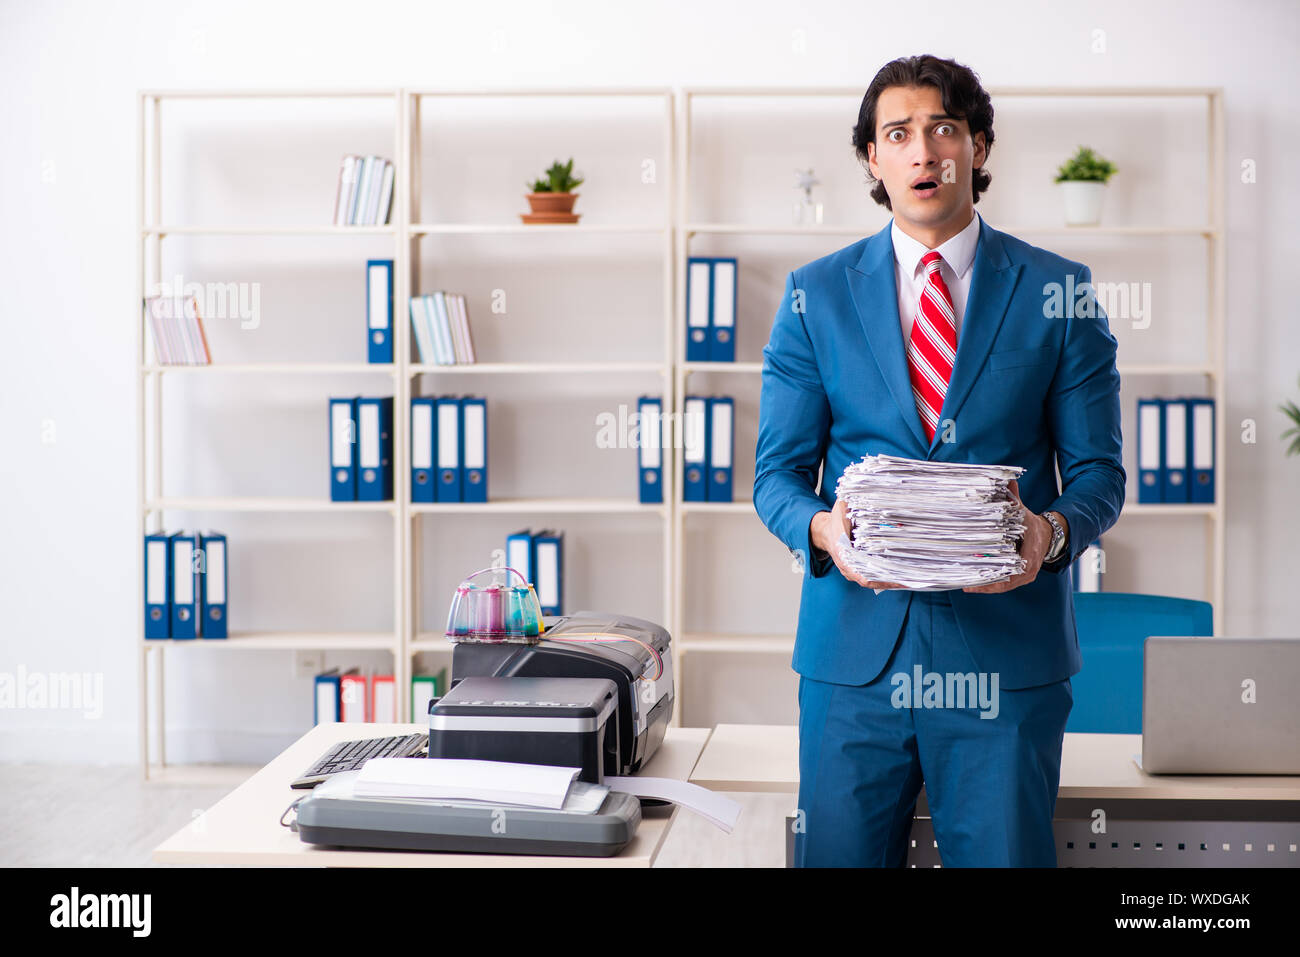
{"x": 925, "y": 185}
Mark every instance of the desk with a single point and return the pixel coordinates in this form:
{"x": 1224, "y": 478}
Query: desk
{"x": 1219, "y": 820}
{"x": 243, "y": 828}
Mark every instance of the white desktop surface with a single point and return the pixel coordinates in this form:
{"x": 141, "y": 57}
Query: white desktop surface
{"x": 765, "y": 757}
{"x": 243, "y": 828}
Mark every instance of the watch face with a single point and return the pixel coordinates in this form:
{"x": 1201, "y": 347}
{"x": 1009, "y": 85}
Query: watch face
{"x": 1058, "y": 545}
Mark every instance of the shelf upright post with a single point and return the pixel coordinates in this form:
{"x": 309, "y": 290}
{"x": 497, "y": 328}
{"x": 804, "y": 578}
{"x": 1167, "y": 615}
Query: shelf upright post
{"x": 401, "y": 401}
{"x": 142, "y": 515}
{"x": 412, "y": 176}
{"x": 1218, "y": 348}
{"x": 667, "y": 380}
{"x": 682, "y": 242}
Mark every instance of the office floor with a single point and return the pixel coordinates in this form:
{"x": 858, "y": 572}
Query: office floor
{"x": 108, "y": 817}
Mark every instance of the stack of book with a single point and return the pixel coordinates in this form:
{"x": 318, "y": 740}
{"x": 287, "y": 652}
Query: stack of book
{"x": 708, "y": 435}
{"x": 539, "y": 557}
{"x": 361, "y": 449}
{"x": 449, "y": 449}
{"x": 350, "y": 696}
{"x": 177, "y": 329}
{"x": 1175, "y": 450}
{"x": 365, "y": 191}
{"x": 711, "y": 309}
{"x": 440, "y": 322}
{"x": 185, "y": 585}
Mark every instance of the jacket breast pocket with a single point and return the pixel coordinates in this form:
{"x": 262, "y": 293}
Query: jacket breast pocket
{"x": 1018, "y": 358}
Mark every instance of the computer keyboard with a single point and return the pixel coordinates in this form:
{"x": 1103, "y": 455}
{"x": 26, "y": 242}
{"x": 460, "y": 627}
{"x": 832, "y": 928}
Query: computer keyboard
{"x": 350, "y": 755}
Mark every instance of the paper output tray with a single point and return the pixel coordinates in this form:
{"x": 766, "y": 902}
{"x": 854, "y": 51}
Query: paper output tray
{"x": 420, "y": 826}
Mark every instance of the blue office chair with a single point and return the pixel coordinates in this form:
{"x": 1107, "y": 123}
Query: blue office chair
{"x": 1112, "y": 627}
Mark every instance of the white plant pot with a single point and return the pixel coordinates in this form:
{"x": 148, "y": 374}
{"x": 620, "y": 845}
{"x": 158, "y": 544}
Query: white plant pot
{"x": 1083, "y": 202}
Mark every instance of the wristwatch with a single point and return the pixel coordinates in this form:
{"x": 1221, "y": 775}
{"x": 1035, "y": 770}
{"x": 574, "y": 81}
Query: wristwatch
{"x": 1058, "y": 538}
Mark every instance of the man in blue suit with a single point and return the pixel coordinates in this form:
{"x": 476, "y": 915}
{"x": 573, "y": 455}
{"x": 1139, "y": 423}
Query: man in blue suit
{"x": 855, "y": 366}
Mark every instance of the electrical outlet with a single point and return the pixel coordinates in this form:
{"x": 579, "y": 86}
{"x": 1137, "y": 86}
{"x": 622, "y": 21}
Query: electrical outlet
{"x": 308, "y": 664}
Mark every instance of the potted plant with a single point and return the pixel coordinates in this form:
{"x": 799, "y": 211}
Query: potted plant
{"x": 1292, "y": 412}
{"x": 552, "y": 197}
{"x": 1083, "y": 183}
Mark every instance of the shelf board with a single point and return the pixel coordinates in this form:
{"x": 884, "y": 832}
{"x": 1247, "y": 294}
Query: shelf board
{"x": 265, "y": 93}
{"x": 1166, "y": 368}
{"x": 733, "y": 507}
{"x": 291, "y": 640}
{"x": 538, "y": 368}
{"x": 550, "y": 91}
{"x": 773, "y": 644}
{"x": 1210, "y": 510}
{"x": 993, "y": 91}
{"x": 565, "y": 368}
{"x": 722, "y": 366}
{"x": 431, "y": 641}
{"x": 1125, "y": 368}
{"x": 280, "y": 368}
{"x": 863, "y": 230}
{"x": 521, "y": 505}
{"x": 268, "y": 504}
{"x": 329, "y": 230}
{"x": 428, "y": 229}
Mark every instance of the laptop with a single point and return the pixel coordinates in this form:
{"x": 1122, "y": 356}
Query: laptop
{"x": 1221, "y": 706}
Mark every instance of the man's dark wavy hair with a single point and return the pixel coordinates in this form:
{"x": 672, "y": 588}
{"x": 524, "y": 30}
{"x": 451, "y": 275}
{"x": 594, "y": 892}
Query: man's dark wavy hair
{"x": 962, "y": 96}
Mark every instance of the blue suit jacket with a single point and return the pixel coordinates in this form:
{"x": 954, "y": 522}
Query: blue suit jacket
{"x": 1030, "y": 382}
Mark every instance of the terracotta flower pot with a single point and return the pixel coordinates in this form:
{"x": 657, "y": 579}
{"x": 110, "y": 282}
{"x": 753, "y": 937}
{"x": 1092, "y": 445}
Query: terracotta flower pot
{"x": 552, "y": 202}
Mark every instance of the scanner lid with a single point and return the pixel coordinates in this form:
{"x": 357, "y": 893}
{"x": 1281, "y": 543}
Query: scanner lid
{"x": 529, "y": 697}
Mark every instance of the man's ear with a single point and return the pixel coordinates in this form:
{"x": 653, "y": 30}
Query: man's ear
{"x": 981, "y": 153}
{"x": 871, "y": 160}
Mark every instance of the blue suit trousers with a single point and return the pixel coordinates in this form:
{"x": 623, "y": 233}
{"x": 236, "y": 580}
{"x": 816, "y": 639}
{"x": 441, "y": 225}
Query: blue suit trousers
{"x": 865, "y": 751}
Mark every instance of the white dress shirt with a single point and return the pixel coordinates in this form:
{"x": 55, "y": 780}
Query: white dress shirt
{"x": 958, "y": 255}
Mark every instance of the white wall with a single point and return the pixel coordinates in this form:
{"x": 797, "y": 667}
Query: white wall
{"x": 68, "y": 542}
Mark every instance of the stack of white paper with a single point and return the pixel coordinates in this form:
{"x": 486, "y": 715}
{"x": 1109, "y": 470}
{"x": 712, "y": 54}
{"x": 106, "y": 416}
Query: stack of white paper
{"x": 931, "y": 526}
{"x": 500, "y": 782}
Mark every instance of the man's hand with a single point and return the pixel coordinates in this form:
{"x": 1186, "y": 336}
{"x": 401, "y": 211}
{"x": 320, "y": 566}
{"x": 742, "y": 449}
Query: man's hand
{"x": 1033, "y": 549}
{"x": 825, "y": 530}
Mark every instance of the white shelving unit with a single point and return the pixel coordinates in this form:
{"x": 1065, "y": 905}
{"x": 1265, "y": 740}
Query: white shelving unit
{"x": 650, "y": 371}
{"x": 1213, "y": 368}
{"x": 670, "y": 370}
{"x": 153, "y": 505}
{"x": 406, "y": 378}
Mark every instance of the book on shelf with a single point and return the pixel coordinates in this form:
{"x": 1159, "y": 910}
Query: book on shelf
{"x": 424, "y": 690}
{"x": 711, "y": 309}
{"x": 361, "y": 448}
{"x": 364, "y": 196}
{"x": 1089, "y": 569}
{"x": 1175, "y": 450}
{"x": 440, "y": 323}
{"x": 352, "y": 697}
{"x": 539, "y": 558}
{"x": 709, "y": 438}
{"x": 449, "y": 449}
{"x": 185, "y": 581}
{"x": 177, "y": 331}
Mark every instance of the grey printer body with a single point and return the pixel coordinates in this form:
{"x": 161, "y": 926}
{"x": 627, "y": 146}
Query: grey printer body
{"x": 565, "y": 722}
{"x": 644, "y": 706}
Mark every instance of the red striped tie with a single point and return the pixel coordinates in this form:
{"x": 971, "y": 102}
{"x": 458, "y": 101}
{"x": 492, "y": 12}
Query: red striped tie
{"x": 933, "y": 346}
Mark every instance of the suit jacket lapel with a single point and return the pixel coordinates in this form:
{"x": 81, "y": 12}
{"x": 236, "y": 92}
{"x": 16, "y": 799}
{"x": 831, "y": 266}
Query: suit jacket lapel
{"x": 875, "y": 297}
{"x": 992, "y": 281}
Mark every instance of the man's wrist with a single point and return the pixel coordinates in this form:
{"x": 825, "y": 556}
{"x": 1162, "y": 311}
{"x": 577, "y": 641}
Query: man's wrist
{"x": 816, "y": 531}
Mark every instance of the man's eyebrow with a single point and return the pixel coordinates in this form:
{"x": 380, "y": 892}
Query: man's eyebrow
{"x": 933, "y": 116}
